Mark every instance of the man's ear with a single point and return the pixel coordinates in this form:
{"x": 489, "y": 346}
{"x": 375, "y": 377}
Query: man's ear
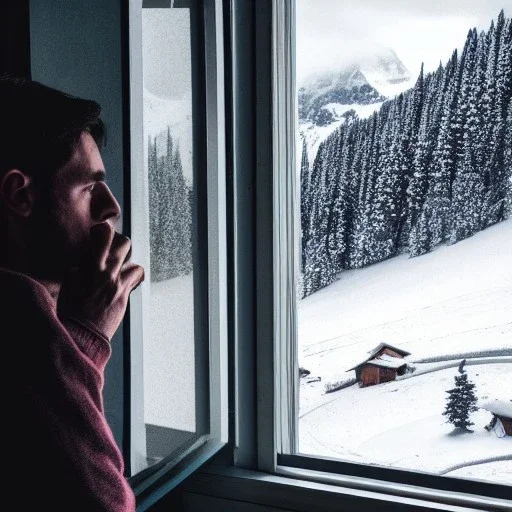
{"x": 17, "y": 192}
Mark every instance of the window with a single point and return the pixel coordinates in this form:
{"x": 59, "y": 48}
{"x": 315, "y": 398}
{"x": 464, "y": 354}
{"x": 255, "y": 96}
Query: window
{"x": 250, "y": 266}
{"x": 178, "y": 325}
{"x": 392, "y": 229}
{"x": 248, "y": 278}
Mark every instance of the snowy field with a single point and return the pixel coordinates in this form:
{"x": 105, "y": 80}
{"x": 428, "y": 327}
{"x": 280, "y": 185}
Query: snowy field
{"x": 401, "y": 424}
{"x": 499, "y": 472}
{"x": 451, "y": 303}
{"x": 169, "y": 364}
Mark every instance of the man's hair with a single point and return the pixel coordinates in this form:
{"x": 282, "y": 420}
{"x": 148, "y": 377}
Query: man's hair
{"x": 41, "y": 126}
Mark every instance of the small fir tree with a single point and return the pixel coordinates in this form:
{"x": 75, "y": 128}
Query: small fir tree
{"x": 461, "y": 401}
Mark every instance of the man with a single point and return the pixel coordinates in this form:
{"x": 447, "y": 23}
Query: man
{"x": 65, "y": 281}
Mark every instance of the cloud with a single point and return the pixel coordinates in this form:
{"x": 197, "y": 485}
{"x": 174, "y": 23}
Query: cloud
{"x": 335, "y": 32}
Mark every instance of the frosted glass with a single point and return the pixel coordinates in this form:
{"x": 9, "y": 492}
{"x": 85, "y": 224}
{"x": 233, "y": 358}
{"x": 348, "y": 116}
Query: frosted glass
{"x": 170, "y": 358}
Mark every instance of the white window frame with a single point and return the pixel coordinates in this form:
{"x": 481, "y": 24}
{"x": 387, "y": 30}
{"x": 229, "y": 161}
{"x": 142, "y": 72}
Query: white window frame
{"x": 278, "y": 364}
{"x": 165, "y": 478}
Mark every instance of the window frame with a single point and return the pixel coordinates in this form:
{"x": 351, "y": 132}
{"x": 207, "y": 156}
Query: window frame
{"x": 151, "y": 483}
{"x": 276, "y": 353}
{"x": 250, "y": 463}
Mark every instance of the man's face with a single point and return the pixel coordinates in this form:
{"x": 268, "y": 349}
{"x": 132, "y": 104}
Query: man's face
{"x": 79, "y": 198}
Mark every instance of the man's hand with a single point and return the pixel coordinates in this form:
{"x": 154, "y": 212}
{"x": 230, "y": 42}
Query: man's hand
{"x": 99, "y": 289}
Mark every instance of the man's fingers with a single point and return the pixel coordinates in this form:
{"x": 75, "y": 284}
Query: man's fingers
{"x": 101, "y": 240}
{"x": 132, "y": 275}
{"x": 120, "y": 251}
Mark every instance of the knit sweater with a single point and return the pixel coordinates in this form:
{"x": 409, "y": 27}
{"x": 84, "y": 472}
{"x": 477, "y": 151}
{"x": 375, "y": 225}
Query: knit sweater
{"x": 59, "y": 449}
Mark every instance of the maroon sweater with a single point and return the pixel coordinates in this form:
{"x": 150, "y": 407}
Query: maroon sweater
{"x": 60, "y": 452}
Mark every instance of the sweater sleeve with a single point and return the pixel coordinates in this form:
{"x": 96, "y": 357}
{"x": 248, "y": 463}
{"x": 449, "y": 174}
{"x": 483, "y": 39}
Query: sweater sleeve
{"x": 95, "y": 347}
{"x": 89, "y": 340}
{"x": 57, "y": 408}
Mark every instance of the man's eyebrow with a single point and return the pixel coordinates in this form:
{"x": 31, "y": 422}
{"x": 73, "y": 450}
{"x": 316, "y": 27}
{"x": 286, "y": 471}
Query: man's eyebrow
{"x": 89, "y": 174}
{"x": 99, "y": 175}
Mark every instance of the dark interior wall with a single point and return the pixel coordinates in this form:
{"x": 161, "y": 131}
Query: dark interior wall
{"x": 14, "y": 37}
{"x": 75, "y": 46}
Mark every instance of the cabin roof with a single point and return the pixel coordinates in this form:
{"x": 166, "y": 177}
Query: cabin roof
{"x": 387, "y": 345}
{"x": 384, "y": 360}
{"x": 498, "y": 407}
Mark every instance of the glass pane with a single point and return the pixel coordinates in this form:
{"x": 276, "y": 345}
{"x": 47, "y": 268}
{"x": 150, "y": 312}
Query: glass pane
{"x": 405, "y": 289}
{"x": 174, "y": 352}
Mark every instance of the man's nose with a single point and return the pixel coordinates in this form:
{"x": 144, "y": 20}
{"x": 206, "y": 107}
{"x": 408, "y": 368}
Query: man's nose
{"x": 107, "y": 207}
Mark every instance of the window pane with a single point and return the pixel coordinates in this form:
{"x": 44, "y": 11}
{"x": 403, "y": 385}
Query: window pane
{"x": 405, "y": 288}
{"x": 175, "y": 378}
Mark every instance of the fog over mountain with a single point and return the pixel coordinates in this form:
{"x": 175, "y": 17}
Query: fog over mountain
{"x": 371, "y": 78}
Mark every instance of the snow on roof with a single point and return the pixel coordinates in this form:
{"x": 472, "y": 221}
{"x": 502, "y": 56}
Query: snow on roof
{"x": 386, "y": 361}
{"x": 498, "y": 407}
{"x": 378, "y": 361}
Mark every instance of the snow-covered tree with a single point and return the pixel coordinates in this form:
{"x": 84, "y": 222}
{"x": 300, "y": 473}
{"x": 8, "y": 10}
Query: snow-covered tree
{"x": 305, "y": 200}
{"x": 507, "y": 213}
{"x": 170, "y": 220}
{"x": 461, "y": 401}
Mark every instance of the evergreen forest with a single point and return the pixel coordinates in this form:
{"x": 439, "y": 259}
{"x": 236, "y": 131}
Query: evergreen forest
{"x": 433, "y": 166}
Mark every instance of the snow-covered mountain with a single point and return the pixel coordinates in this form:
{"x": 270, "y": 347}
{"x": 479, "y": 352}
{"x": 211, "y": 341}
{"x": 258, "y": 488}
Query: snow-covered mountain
{"x": 371, "y": 79}
{"x": 357, "y": 88}
{"x": 344, "y": 86}
{"x": 386, "y": 73}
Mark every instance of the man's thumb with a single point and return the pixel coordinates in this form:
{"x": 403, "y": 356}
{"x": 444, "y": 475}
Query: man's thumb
{"x": 133, "y": 275}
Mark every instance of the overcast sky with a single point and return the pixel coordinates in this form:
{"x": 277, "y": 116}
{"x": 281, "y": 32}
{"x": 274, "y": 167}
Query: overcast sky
{"x": 330, "y": 32}
{"x": 166, "y": 52}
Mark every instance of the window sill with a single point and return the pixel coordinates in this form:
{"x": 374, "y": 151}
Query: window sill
{"x": 161, "y": 482}
{"x": 302, "y": 490}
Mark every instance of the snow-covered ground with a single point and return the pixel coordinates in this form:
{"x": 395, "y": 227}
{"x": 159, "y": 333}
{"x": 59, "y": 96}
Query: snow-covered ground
{"x": 452, "y": 300}
{"x": 452, "y": 303}
{"x": 169, "y": 364}
{"x": 401, "y": 424}
{"x": 498, "y": 471}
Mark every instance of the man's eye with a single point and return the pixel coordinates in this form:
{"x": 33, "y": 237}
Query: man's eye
{"x": 91, "y": 187}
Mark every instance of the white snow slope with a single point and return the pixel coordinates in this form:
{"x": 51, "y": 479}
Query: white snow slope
{"x": 400, "y": 424}
{"x": 450, "y": 303}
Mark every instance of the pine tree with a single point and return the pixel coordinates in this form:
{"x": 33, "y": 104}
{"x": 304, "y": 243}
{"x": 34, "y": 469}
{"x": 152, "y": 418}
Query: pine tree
{"x": 169, "y": 214}
{"x": 181, "y": 237}
{"x": 461, "y": 401}
{"x": 507, "y": 213}
{"x": 305, "y": 200}
{"x": 154, "y": 210}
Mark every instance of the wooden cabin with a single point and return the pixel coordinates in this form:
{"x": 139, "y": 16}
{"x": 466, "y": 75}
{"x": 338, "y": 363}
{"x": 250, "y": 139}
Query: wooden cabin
{"x": 383, "y": 364}
{"x": 501, "y": 410}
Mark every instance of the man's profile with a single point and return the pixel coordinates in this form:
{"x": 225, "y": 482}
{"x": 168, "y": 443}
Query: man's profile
{"x": 65, "y": 281}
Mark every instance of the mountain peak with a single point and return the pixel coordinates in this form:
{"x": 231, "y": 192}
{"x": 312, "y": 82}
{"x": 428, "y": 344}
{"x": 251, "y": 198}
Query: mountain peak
{"x": 378, "y": 70}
